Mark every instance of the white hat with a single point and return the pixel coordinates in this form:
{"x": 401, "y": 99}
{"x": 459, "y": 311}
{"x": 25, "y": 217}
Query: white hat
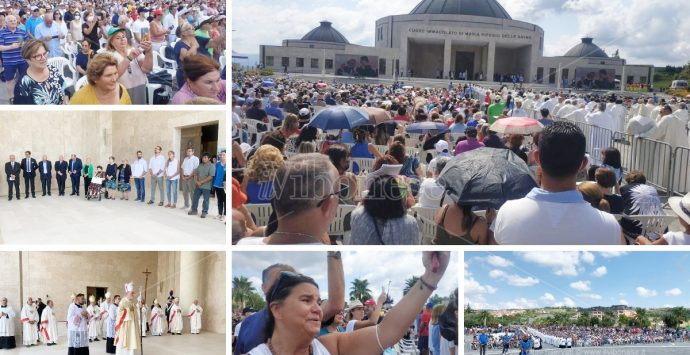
{"x": 107, "y": 295}
{"x": 245, "y": 148}
{"x": 441, "y": 146}
{"x": 681, "y": 207}
{"x": 304, "y": 112}
{"x": 129, "y": 287}
{"x": 355, "y": 304}
{"x": 92, "y": 298}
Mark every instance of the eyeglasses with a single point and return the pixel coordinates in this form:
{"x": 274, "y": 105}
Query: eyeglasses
{"x": 343, "y": 190}
{"x": 284, "y": 275}
{"x": 43, "y": 55}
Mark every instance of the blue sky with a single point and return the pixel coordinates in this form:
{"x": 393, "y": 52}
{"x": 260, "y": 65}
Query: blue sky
{"x": 645, "y": 31}
{"x": 505, "y": 280}
{"x": 377, "y": 267}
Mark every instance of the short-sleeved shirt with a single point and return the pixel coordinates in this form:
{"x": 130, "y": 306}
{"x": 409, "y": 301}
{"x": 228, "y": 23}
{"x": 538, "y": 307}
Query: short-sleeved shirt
{"x": 31, "y": 24}
{"x": 219, "y": 178}
{"x": 677, "y": 238}
{"x": 179, "y": 46}
{"x": 87, "y": 96}
{"x": 204, "y": 171}
{"x": 252, "y": 332}
{"x": 91, "y": 37}
{"x": 7, "y": 37}
{"x": 53, "y": 32}
{"x": 424, "y": 323}
{"x": 394, "y": 231}
{"x": 83, "y": 59}
{"x": 49, "y": 92}
{"x": 203, "y": 40}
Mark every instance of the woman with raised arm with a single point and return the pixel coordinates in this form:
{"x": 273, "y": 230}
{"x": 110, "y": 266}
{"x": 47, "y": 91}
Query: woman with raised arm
{"x": 294, "y": 318}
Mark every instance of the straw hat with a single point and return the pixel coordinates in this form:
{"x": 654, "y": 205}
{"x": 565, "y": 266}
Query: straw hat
{"x": 681, "y": 207}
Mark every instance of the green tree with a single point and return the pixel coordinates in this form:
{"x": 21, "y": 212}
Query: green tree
{"x": 641, "y": 319}
{"x": 675, "y": 317}
{"x": 360, "y": 290}
{"x": 623, "y": 320}
{"x": 241, "y": 290}
{"x": 255, "y": 301}
{"x": 409, "y": 283}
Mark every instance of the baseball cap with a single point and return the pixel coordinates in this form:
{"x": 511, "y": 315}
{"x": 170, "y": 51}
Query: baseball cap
{"x": 370, "y": 302}
{"x": 114, "y": 30}
{"x": 304, "y": 112}
{"x": 158, "y": 12}
{"x": 441, "y": 146}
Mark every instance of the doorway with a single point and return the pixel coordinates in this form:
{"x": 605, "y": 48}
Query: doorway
{"x": 98, "y": 292}
{"x": 202, "y": 139}
{"x": 464, "y": 61}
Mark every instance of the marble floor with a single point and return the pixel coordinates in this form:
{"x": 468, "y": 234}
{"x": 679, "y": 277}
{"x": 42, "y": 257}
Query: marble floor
{"x": 204, "y": 343}
{"x": 76, "y": 221}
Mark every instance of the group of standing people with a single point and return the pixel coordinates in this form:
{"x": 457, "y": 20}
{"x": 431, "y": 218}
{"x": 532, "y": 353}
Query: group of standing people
{"x": 197, "y": 178}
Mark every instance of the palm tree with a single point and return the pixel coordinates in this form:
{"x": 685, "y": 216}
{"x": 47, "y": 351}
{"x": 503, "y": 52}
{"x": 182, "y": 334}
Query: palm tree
{"x": 360, "y": 290}
{"x": 409, "y": 283}
{"x": 241, "y": 290}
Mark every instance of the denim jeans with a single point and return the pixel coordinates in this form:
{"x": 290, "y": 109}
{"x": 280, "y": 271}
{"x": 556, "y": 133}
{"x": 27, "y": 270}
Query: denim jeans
{"x": 140, "y": 184}
{"x": 171, "y": 188}
{"x": 198, "y": 192}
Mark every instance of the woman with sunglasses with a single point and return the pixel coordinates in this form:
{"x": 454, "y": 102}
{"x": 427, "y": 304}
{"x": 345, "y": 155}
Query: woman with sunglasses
{"x": 294, "y": 319}
{"x": 42, "y": 84}
{"x": 133, "y": 64}
{"x": 382, "y": 218}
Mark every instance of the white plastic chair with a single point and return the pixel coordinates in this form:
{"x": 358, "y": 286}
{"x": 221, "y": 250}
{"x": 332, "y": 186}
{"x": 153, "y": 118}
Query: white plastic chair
{"x": 260, "y": 211}
{"x": 363, "y": 163}
{"x": 411, "y": 151}
{"x": 162, "y": 63}
{"x": 425, "y": 217}
{"x": 62, "y": 63}
{"x": 80, "y": 83}
{"x": 382, "y": 148}
{"x": 252, "y": 128}
{"x": 337, "y": 226}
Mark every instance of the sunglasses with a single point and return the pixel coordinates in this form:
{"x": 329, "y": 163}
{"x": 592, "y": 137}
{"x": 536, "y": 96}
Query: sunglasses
{"x": 340, "y": 192}
{"x": 284, "y": 275}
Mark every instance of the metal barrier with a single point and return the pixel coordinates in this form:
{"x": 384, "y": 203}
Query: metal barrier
{"x": 680, "y": 177}
{"x": 598, "y": 138}
{"x": 654, "y": 159}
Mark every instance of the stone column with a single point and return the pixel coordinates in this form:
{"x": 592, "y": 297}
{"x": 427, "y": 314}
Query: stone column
{"x": 191, "y": 271}
{"x": 448, "y": 44}
{"x": 403, "y": 57}
{"x": 624, "y": 80}
{"x": 491, "y": 61}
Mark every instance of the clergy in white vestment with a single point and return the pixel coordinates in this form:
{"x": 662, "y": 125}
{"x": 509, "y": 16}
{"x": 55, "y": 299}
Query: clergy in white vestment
{"x": 29, "y": 319}
{"x": 618, "y": 112}
{"x": 518, "y": 111}
{"x": 110, "y": 347}
{"x": 565, "y": 110}
{"x": 195, "y": 317}
{"x": 143, "y": 312}
{"x": 175, "y": 322}
{"x": 77, "y": 326}
{"x": 94, "y": 319}
{"x": 669, "y": 129}
{"x": 7, "y": 315}
{"x": 48, "y": 330}
{"x": 578, "y": 115}
{"x": 128, "y": 325}
{"x": 682, "y": 113}
{"x": 157, "y": 319}
{"x": 104, "y": 308}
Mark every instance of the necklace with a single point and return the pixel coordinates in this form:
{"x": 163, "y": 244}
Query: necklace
{"x": 299, "y": 235}
{"x": 270, "y": 348}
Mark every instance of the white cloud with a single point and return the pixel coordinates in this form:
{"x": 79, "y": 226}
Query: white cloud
{"x": 473, "y": 287}
{"x": 581, "y": 285}
{"x": 567, "y": 302}
{"x": 623, "y": 302}
{"x": 674, "y": 292}
{"x": 561, "y": 263}
{"x": 612, "y": 254}
{"x": 592, "y": 296}
{"x": 513, "y": 280}
{"x": 600, "y": 271}
{"x": 547, "y": 297}
{"x": 520, "y": 303}
{"x": 497, "y": 261}
{"x": 644, "y": 292}
{"x": 587, "y": 257}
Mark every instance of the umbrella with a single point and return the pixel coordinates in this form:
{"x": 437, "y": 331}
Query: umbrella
{"x": 687, "y": 96}
{"x": 424, "y": 127}
{"x": 407, "y": 87}
{"x": 517, "y": 125}
{"x": 486, "y": 177}
{"x": 267, "y": 83}
{"x": 340, "y": 117}
{"x": 321, "y": 85}
{"x": 377, "y": 116}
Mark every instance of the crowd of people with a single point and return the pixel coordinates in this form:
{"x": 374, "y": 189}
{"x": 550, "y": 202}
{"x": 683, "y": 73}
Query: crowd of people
{"x": 132, "y": 52}
{"x": 333, "y": 327}
{"x": 274, "y": 142}
{"x": 507, "y": 338}
{"x": 196, "y": 177}
{"x": 118, "y": 320}
{"x": 600, "y": 336}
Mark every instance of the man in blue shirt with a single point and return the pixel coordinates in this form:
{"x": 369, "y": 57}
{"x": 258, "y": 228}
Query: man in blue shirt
{"x": 252, "y": 331}
{"x": 219, "y": 185}
{"x": 273, "y": 109}
{"x": 11, "y": 40}
{"x": 33, "y": 21}
{"x": 506, "y": 342}
{"x": 483, "y": 342}
{"x": 525, "y": 345}
{"x": 545, "y": 120}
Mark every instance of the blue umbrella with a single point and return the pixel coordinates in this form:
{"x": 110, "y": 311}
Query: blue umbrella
{"x": 340, "y": 117}
{"x": 424, "y": 127}
{"x": 267, "y": 83}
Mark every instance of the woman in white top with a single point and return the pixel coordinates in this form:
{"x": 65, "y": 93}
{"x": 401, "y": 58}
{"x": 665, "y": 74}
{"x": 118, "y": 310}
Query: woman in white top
{"x": 294, "y": 316}
{"x": 172, "y": 177}
{"x": 133, "y": 64}
{"x": 355, "y": 314}
{"x": 75, "y": 34}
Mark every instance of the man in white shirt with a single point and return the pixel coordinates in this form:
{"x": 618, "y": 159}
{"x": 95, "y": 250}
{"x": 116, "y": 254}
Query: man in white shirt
{"x": 50, "y": 34}
{"x": 189, "y": 164}
{"x": 156, "y": 169}
{"x": 430, "y": 192}
{"x": 556, "y": 213}
{"x": 139, "y": 25}
{"x": 170, "y": 22}
{"x": 139, "y": 168}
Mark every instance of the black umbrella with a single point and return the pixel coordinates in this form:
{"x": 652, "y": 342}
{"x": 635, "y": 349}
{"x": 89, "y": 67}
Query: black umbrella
{"x": 486, "y": 177}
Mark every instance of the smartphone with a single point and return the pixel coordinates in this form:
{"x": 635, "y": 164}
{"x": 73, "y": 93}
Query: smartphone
{"x": 145, "y": 34}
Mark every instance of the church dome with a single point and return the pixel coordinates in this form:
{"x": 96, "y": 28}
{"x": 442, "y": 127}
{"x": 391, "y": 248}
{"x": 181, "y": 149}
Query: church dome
{"x": 586, "y": 49}
{"x": 485, "y": 8}
{"x": 325, "y": 33}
